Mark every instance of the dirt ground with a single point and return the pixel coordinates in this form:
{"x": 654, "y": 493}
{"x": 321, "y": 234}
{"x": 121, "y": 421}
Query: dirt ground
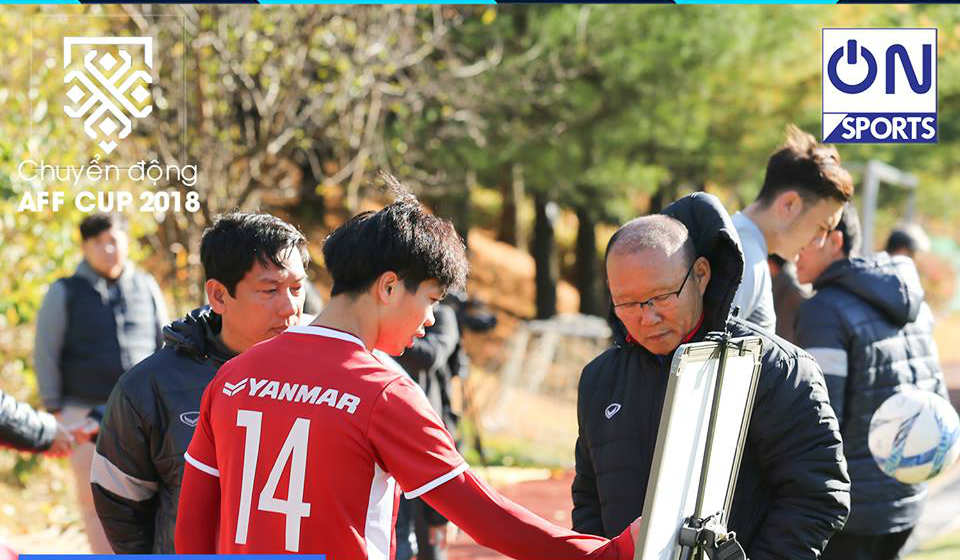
{"x": 548, "y": 498}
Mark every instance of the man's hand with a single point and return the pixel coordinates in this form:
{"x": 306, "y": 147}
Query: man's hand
{"x": 635, "y": 536}
{"x": 62, "y": 442}
{"x": 627, "y": 543}
{"x": 85, "y": 431}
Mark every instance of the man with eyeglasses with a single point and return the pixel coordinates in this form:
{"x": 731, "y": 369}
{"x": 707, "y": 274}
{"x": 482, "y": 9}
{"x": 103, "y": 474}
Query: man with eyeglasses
{"x": 800, "y": 202}
{"x": 672, "y": 278}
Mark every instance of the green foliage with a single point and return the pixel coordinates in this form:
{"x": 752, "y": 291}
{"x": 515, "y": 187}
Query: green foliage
{"x": 600, "y": 108}
{"x": 604, "y": 107}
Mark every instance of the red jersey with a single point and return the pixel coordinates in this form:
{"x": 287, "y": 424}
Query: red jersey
{"x": 310, "y": 435}
{"x": 303, "y": 445}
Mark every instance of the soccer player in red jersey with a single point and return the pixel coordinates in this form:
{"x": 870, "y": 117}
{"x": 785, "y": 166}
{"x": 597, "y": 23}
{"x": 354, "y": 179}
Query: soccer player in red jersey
{"x": 305, "y": 441}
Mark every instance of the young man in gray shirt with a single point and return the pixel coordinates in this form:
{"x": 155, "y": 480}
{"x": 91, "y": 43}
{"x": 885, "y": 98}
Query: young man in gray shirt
{"x": 800, "y": 202}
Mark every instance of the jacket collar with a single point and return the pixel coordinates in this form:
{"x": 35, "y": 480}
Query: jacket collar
{"x": 198, "y": 335}
{"x": 101, "y": 284}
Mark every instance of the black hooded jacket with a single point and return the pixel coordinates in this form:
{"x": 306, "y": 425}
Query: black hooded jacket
{"x": 872, "y": 334}
{"x": 146, "y": 429}
{"x": 793, "y": 490}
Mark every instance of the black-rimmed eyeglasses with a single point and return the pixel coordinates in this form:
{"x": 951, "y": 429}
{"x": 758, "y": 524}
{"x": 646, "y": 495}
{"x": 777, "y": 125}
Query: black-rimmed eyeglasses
{"x": 662, "y": 301}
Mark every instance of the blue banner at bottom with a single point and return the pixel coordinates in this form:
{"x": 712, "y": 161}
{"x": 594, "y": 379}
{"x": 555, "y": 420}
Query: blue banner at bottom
{"x": 169, "y": 556}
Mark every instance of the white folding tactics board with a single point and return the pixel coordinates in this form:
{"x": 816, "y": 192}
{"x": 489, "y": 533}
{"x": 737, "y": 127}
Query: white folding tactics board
{"x": 678, "y": 468}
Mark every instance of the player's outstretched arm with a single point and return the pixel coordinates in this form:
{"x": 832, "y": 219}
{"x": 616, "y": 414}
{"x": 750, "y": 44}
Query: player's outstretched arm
{"x": 197, "y": 513}
{"x": 498, "y": 523}
{"x": 410, "y": 440}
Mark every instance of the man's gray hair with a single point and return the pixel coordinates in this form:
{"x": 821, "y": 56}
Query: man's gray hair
{"x": 656, "y": 231}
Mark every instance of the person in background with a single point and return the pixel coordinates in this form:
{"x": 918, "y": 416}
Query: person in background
{"x": 788, "y": 294}
{"x": 907, "y": 240}
{"x": 26, "y": 429}
{"x": 801, "y": 198}
{"x": 427, "y": 362}
{"x": 91, "y": 327}
{"x": 254, "y": 268}
{"x": 872, "y": 334}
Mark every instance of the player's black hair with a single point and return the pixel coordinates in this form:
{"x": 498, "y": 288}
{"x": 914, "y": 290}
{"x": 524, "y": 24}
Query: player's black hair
{"x": 909, "y": 238}
{"x": 403, "y": 238}
{"x": 230, "y": 246}
{"x": 900, "y": 240}
{"x": 99, "y": 222}
{"x": 849, "y": 226}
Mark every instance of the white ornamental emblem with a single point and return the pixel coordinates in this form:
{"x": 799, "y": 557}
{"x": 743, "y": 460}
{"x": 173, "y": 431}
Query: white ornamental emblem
{"x": 107, "y": 92}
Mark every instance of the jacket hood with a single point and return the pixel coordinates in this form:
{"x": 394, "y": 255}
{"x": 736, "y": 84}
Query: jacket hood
{"x": 197, "y": 336}
{"x": 890, "y": 284}
{"x": 715, "y": 238}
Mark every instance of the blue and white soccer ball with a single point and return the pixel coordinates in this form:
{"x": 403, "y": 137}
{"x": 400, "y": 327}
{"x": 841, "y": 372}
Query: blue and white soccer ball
{"x": 914, "y": 436}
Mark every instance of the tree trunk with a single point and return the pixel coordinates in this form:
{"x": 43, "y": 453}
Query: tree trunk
{"x": 665, "y": 194}
{"x": 588, "y": 264}
{"x": 545, "y": 257}
{"x": 510, "y": 228}
{"x": 312, "y": 204}
{"x": 461, "y": 210}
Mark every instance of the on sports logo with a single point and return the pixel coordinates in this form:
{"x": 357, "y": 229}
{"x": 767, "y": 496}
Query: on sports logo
{"x": 879, "y": 85}
{"x": 107, "y": 87}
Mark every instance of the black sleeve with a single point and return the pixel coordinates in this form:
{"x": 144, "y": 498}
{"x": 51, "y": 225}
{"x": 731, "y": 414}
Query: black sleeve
{"x": 434, "y": 349}
{"x": 822, "y": 332}
{"x": 586, "y": 498}
{"x": 23, "y": 427}
{"x": 123, "y": 477}
{"x": 797, "y": 441}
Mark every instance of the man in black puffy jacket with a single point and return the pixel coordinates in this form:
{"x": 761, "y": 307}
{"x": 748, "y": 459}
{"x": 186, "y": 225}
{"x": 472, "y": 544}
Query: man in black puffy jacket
{"x": 254, "y": 264}
{"x": 872, "y": 334}
{"x": 672, "y": 279}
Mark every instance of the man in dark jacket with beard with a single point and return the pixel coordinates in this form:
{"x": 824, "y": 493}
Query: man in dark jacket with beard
{"x": 254, "y": 264}
{"x": 672, "y": 279}
{"x": 872, "y": 334}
